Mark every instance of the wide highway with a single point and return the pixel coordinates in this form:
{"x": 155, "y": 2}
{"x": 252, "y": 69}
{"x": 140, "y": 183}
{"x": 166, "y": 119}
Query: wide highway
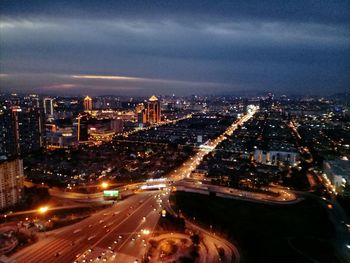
{"x": 116, "y": 234}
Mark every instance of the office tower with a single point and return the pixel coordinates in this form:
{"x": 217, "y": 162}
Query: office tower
{"x": 87, "y": 103}
{"x": 48, "y": 106}
{"x": 117, "y": 125}
{"x": 7, "y": 135}
{"x": 153, "y": 110}
{"x": 83, "y": 134}
{"x": 141, "y": 114}
{"x": 22, "y": 131}
{"x": 11, "y": 182}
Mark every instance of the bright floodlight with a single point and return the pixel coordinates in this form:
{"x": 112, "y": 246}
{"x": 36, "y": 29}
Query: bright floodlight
{"x": 43, "y": 209}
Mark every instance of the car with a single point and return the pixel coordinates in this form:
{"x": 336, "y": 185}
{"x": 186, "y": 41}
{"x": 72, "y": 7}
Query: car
{"x": 108, "y": 230}
{"x": 120, "y": 236}
{"x": 144, "y": 218}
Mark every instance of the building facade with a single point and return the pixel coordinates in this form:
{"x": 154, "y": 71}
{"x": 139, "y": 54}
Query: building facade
{"x": 275, "y": 157}
{"x": 11, "y": 182}
{"x": 153, "y": 110}
{"x": 48, "y": 107}
{"x": 87, "y": 104}
{"x": 22, "y": 131}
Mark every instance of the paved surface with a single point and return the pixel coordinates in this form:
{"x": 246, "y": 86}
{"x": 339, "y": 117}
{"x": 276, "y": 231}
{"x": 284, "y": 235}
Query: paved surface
{"x": 284, "y": 196}
{"x": 100, "y": 232}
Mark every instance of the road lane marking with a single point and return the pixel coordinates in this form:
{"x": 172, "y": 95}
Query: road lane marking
{"x": 125, "y": 219}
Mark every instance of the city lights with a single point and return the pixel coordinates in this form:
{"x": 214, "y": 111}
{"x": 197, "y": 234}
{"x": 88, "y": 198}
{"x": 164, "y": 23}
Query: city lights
{"x": 174, "y": 131}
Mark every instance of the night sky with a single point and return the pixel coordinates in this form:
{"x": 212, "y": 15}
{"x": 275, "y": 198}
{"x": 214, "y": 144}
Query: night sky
{"x": 181, "y": 47}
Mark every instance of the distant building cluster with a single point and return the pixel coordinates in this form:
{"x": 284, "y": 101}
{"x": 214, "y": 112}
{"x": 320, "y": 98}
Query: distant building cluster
{"x": 285, "y": 135}
{"x": 339, "y": 173}
{"x": 274, "y": 157}
{"x": 22, "y": 130}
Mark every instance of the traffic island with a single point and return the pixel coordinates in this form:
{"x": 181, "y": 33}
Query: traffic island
{"x": 176, "y": 247}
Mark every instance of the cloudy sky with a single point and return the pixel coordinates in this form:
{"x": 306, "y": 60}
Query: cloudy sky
{"x": 182, "y": 47}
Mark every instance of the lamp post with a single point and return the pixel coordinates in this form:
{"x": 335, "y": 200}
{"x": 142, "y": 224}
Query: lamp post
{"x": 42, "y": 210}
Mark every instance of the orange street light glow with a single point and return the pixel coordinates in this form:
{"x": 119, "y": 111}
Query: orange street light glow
{"x": 43, "y": 209}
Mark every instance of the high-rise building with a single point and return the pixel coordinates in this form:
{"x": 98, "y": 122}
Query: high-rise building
{"x": 142, "y": 117}
{"x": 139, "y": 107}
{"x": 141, "y": 114}
{"x": 21, "y": 130}
{"x": 48, "y": 106}
{"x": 117, "y": 125}
{"x": 153, "y": 110}
{"x": 11, "y": 182}
{"x": 87, "y": 103}
{"x": 82, "y": 133}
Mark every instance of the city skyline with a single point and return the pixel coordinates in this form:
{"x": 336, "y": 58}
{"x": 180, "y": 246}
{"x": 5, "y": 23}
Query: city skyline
{"x": 150, "y": 131}
{"x": 138, "y": 48}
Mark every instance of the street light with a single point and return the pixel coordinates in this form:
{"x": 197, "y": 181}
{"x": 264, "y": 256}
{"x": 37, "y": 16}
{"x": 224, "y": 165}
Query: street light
{"x": 104, "y": 185}
{"x": 145, "y": 232}
{"x": 43, "y": 209}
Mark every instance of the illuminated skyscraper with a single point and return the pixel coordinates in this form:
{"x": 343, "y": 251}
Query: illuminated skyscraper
{"x": 11, "y": 182}
{"x": 48, "y": 106}
{"x": 22, "y": 131}
{"x": 87, "y": 103}
{"x": 153, "y": 110}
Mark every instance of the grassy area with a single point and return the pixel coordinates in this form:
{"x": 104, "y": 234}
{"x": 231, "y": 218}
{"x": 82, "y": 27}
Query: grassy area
{"x": 263, "y": 232}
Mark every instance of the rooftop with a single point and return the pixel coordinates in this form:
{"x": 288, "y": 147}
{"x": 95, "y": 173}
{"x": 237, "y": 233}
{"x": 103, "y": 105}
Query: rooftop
{"x": 153, "y": 98}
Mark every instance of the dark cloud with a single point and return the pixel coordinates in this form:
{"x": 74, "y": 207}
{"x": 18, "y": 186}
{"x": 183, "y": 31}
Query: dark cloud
{"x": 176, "y": 46}
{"x": 315, "y": 11}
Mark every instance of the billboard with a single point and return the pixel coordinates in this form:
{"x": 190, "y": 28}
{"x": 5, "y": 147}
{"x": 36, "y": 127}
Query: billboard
{"x": 110, "y": 193}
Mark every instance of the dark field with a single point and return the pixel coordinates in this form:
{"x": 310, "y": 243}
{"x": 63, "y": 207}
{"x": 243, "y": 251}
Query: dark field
{"x": 265, "y": 233}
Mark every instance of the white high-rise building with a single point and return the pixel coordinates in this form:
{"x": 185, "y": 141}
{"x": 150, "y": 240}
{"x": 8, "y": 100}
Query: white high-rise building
{"x": 48, "y": 106}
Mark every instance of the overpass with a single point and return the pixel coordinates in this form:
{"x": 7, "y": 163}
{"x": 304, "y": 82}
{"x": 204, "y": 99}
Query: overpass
{"x": 277, "y": 196}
